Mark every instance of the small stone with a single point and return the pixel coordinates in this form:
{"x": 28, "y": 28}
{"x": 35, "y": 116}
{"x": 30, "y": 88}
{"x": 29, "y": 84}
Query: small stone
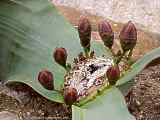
{"x": 5, "y": 115}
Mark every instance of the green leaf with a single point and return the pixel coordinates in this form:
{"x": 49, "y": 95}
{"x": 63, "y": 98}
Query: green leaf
{"x": 138, "y": 66}
{"x": 29, "y": 31}
{"x": 50, "y": 95}
{"x": 108, "y": 106}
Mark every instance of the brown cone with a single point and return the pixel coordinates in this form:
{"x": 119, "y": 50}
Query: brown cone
{"x": 60, "y": 56}
{"x": 113, "y": 74}
{"x": 84, "y": 30}
{"x": 106, "y": 33}
{"x": 46, "y": 79}
{"x": 128, "y": 36}
{"x": 70, "y": 95}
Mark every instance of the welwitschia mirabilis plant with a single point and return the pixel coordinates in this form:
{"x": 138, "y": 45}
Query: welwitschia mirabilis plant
{"x": 29, "y": 32}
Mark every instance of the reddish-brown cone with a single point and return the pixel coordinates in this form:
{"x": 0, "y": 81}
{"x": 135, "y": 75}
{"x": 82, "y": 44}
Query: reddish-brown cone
{"x": 128, "y": 36}
{"x": 84, "y": 30}
{"x": 106, "y": 33}
{"x": 60, "y": 56}
{"x": 113, "y": 73}
{"x": 70, "y": 95}
{"x": 46, "y": 79}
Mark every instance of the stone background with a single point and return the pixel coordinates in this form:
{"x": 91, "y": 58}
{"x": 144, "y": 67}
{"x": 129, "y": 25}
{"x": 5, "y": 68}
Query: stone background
{"x": 143, "y": 12}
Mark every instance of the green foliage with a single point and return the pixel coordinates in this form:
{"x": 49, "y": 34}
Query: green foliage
{"x": 108, "y": 106}
{"x": 138, "y": 66}
{"x": 29, "y": 32}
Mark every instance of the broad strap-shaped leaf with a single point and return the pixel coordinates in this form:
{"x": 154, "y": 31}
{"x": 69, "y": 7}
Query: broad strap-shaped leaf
{"x": 50, "y": 95}
{"x": 108, "y": 106}
{"x": 138, "y": 66}
{"x": 29, "y": 31}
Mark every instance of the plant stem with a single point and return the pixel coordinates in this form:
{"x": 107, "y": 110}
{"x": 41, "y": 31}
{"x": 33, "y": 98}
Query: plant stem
{"x": 87, "y": 52}
{"x": 130, "y": 54}
{"x": 120, "y": 57}
{"x": 68, "y": 66}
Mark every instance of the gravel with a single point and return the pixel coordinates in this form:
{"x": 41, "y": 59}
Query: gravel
{"x": 144, "y": 97}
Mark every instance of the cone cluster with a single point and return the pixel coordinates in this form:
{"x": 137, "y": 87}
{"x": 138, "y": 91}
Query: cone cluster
{"x": 128, "y": 39}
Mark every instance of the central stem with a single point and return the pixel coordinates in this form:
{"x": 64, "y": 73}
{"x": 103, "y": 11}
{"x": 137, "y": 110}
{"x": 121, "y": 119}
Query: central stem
{"x": 87, "y": 51}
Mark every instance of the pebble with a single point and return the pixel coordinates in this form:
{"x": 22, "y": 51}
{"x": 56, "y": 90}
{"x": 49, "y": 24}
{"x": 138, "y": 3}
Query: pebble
{"x": 5, "y": 115}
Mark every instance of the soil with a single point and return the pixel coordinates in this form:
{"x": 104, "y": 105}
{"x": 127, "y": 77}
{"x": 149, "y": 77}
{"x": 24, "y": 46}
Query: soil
{"x": 143, "y": 98}
{"x": 34, "y": 107}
